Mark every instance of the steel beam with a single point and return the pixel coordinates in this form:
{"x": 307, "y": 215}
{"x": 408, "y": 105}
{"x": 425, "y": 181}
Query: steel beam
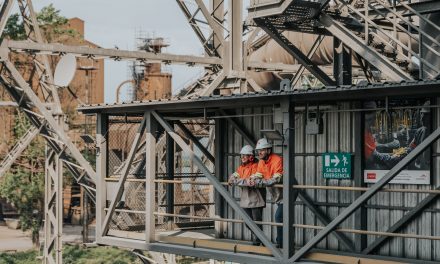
{"x": 56, "y": 49}
{"x": 199, "y": 33}
{"x": 5, "y": 13}
{"x": 424, "y": 8}
{"x": 310, "y": 54}
{"x": 219, "y": 187}
{"x": 217, "y": 30}
{"x": 123, "y": 177}
{"x": 18, "y": 148}
{"x": 199, "y": 145}
{"x": 295, "y": 52}
{"x": 41, "y": 63}
{"x": 115, "y": 54}
{"x": 367, "y": 195}
{"x": 214, "y": 84}
{"x": 368, "y": 53}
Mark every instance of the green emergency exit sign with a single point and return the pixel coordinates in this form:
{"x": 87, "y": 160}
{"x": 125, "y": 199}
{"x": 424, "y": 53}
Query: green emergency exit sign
{"x": 336, "y": 166}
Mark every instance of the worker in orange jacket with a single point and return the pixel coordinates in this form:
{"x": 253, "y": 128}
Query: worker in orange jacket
{"x": 270, "y": 172}
{"x": 252, "y": 199}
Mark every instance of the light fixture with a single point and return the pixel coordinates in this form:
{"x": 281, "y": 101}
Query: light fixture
{"x": 272, "y": 134}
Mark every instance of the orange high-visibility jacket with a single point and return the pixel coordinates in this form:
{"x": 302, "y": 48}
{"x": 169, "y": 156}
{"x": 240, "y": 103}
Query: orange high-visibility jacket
{"x": 270, "y": 172}
{"x": 270, "y": 168}
{"x": 245, "y": 171}
{"x": 251, "y": 197}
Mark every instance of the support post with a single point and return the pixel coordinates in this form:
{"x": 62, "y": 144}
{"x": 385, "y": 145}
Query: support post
{"x": 170, "y": 176}
{"x": 289, "y": 195}
{"x": 217, "y": 9}
{"x": 150, "y": 170}
{"x": 101, "y": 170}
{"x": 361, "y": 214}
{"x": 53, "y": 208}
{"x": 220, "y": 172}
{"x": 341, "y": 63}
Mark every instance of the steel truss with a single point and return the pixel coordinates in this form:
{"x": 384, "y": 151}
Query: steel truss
{"x": 228, "y": 62}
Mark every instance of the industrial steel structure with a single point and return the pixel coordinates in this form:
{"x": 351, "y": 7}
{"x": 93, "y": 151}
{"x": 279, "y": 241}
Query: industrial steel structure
{"x": 395, "y": 41}
{"x": 343, "y": 223}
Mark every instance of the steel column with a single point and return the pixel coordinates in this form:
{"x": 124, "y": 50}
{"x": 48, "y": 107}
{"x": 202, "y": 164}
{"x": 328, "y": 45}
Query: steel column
{"x": 361, "y": 214}
{"x": 101, "y": 170}
{"x": 220, "y": 142}
{"x": 53, "y": 208}
{"x": 289, "y": 195}
{"x": 170, "y": 176}
{"x": 341, "y": 63}
{"x": 219, "y": 187}
{"x": 368, "y": 194}
{"x": 150, "y": 170}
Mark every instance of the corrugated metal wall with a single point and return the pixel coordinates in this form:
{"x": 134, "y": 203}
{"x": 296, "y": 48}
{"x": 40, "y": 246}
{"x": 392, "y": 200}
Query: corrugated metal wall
{"x": 383, "y": 209}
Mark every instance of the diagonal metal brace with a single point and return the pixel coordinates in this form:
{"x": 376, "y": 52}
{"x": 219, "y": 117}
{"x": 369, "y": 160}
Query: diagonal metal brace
{"x": 218, "y": 186}
{"x": 125, "y": 172}
{"x": 413, "y": 213}
{"x": 367, "y": 195}
{"x": 30, "y": 94}
{"x": 195, "y": 141}
{"x": 274, "y": 33}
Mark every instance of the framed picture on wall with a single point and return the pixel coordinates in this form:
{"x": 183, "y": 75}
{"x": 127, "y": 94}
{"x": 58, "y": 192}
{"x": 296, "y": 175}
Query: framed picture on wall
{"x": 391, "y": 131}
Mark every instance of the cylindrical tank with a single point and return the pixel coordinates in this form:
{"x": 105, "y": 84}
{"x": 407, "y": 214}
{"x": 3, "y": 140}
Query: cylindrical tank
{"x": 155, "y": 84}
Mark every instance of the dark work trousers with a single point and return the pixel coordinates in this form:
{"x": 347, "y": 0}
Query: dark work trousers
{"x": 257, "y": 215}
{"x": 279, "y": 219}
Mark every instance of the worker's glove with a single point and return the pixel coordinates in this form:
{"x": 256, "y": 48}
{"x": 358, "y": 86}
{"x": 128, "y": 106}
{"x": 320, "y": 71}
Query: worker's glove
{"x": 255, "y": 179}
{"x": 233, "y": 179}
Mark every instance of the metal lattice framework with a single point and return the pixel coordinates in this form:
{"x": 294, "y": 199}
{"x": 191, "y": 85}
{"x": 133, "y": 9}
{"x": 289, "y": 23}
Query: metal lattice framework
{"x": 227, "y": 62}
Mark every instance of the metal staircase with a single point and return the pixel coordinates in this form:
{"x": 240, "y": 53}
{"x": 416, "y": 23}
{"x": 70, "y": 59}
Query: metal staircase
{"x": 16, "y": 151}
{"x": 386, "y": 34}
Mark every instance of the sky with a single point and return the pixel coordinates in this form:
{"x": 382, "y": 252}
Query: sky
{"x": 110, "y": 23}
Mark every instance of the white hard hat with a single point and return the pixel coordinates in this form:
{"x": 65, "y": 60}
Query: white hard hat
{"x": 247, "y": 150}
{"x": 262, "y": 143}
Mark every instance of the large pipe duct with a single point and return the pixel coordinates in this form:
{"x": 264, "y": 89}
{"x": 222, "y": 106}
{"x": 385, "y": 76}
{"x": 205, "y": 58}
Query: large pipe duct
{"x": 272, "y": 52}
